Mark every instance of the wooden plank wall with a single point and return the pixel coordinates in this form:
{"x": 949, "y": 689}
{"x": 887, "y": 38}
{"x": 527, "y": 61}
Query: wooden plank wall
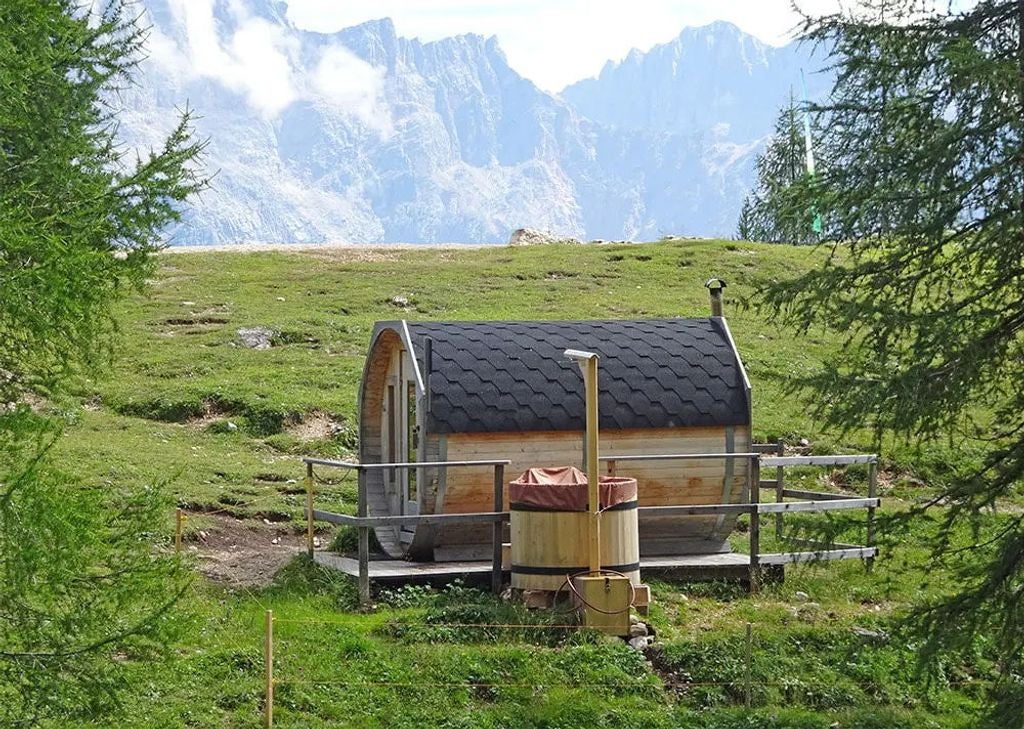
{"x": 661, "y": 483}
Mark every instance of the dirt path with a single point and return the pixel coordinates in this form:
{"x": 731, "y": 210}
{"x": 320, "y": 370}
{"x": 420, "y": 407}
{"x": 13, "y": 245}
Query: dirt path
{"x": 242, "y": 553}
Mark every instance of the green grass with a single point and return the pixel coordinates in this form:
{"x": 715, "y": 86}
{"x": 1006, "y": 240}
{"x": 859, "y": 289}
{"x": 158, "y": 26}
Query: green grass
{"x": 186, "y": 408}
{"x": 180, "y": 357}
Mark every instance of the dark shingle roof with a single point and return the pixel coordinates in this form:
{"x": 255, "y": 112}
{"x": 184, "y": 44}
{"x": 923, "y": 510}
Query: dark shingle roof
{"x": 513, "y": 376}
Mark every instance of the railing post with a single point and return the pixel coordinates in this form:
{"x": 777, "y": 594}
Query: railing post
{"x": 364, "y": 543}
{"x": 754, "y": 474}
{"x": 309, "y": 510}
{"x": 268, "y": 658}
{"x": 872, "y": 493}
{"x": 779, "y": 486}
{"x": 497, "y": 528}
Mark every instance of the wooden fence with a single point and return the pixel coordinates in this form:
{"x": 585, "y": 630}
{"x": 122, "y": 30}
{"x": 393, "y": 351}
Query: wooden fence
{"x": 809, "y": 501}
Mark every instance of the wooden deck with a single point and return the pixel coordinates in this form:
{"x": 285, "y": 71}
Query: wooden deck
{"x": 689, "y": 567}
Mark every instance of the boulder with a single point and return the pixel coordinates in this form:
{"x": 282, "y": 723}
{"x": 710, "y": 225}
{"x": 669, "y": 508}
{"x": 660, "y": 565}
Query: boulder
{"x": 256, "y": 337}
{"x": 531, "y": 237}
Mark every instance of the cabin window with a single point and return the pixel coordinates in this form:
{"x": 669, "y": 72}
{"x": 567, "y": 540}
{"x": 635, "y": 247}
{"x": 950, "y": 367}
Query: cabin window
{"x": 412, "y": 436}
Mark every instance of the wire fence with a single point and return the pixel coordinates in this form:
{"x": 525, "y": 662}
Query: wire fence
{"x": 283, "y": 655}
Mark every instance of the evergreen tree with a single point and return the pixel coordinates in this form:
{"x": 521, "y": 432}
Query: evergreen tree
{"x": 80, "y": 581}
{"x": 925, "y": 190}
{"x": 79, "y": 214}
{"x": 768, "y": 212}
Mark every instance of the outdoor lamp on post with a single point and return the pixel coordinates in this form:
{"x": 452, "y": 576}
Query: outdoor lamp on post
{"x": 588, "y": 365}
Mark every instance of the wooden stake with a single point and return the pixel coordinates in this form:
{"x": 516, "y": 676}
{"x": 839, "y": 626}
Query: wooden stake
{"x": 309, "y": 509}
{"x": 748, "y": 671}
{"x": 268, "y": 654}
{"x": 178, "y": 517}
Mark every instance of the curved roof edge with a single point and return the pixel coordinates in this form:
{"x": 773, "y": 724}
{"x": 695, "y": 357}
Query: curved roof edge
{"x": 511, "y": 376}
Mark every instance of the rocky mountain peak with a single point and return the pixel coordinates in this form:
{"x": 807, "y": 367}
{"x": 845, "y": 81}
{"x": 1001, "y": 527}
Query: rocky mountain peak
{"x": 363, "y": 135}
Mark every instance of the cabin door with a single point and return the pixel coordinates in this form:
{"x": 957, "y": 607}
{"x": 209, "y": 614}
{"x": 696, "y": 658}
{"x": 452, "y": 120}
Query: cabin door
{"x": 401, "y": 438}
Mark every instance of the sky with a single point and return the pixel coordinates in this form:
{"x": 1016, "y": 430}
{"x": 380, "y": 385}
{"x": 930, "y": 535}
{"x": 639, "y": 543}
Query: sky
{"x": 551, "y": 42}
{"x": 557, "y": 42}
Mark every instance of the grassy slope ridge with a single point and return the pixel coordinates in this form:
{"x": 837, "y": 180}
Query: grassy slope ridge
{"x": 162, "y": 418}
{"x": 182, "y": 369}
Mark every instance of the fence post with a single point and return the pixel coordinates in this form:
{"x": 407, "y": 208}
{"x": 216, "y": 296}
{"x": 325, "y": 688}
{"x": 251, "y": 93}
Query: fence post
{"x": 498, "y": 528}
{"x": 309, "y": 509}
{"x": 178, "y": 517}
{"x": 268, "y": 656}
{"x": 754, "y": 474}
{"x": 872, "y": 493}
{"x": 779, "y": 486}
{"x": 364, "y": 543}
{"x": 747, "y": 667}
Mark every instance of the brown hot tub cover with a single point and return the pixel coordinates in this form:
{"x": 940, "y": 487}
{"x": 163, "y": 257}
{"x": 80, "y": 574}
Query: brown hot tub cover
{"x": 565, "y": 489}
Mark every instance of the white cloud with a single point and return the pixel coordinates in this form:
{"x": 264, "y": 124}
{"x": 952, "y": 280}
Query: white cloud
{"x": 352, "y": 85}
{"x": 261, "y": 60}
{"x": 254, "y": 60}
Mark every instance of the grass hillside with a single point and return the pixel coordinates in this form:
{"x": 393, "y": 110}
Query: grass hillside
{"x": 218, "y": 426}
{"x": 182, "y": 374}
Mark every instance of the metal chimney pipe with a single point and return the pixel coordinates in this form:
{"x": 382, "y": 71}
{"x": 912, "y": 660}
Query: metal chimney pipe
{"x": 587, "y": 362}
{"x": 715, "y": 287}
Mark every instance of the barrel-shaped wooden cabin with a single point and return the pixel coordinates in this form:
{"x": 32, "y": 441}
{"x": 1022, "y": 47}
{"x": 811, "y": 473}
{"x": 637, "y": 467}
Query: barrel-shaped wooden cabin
{"x": 455, "y": 391}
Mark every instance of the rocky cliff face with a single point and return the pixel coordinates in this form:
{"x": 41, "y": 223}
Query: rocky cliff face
{"x": 365, "y": 136}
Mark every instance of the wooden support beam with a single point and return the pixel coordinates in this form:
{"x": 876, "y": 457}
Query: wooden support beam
{"x": 692, "y": 510}
{"x": 872, "y": 493}
{"x": 780, "y": 485}
{"x": 753, "y": 476}
{"x": 815, "y": 544}
{"x": 813, "y": 495}
{"x": 774, "y": 461}
{"x": 410, "y": 464}
{"x": 364, "y": 544}
{"x": 695, "y": 510}
{"x": 474, "y": 517}
{"x": 497, "y": 529}
{"x": 309, "y": 509}
{"x": 679, "y": 457}
{"x": 818, "y": 556}
{"x": 830, "y": 505}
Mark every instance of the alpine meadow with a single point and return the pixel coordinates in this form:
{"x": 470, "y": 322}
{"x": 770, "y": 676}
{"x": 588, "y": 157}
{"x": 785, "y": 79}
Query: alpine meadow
{"x": 290, "y": 436}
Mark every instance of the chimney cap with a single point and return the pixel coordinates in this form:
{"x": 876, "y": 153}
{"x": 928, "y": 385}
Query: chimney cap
{"x": 715, "y": 284}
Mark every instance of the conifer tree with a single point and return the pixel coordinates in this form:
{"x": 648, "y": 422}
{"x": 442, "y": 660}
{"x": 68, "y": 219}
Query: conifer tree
{"x": 924, "y": 201}
{"x": 80, "y": 581}
{"x": 769, "y": 213}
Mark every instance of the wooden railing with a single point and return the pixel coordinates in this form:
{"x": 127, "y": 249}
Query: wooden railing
{"x": 811, "y": 501}
{"x": 363, "y": 522}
